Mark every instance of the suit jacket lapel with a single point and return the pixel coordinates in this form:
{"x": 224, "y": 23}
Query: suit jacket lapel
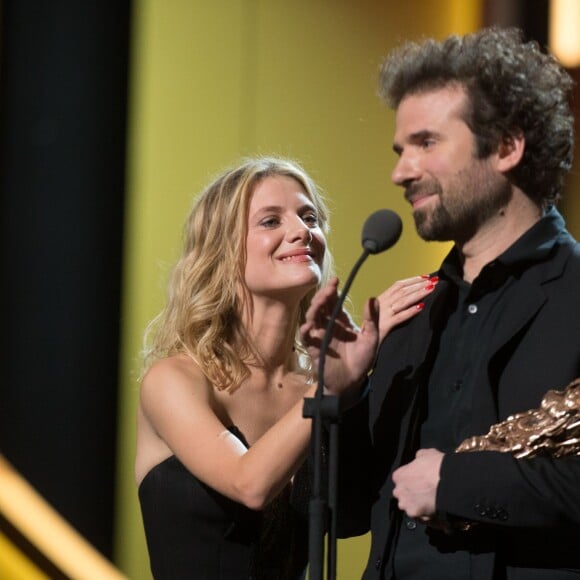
{"x": 527, "y": 301}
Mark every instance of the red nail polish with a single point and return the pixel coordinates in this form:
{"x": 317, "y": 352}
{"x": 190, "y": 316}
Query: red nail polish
{"x": 429, "y": 286}
{"x": 420, "y": 306}
{"x": 425, "y": 276}
{"x": 434, "y": 279}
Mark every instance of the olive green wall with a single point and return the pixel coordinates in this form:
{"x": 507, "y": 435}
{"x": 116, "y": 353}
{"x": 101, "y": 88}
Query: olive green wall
{"x": 216, "y": 80}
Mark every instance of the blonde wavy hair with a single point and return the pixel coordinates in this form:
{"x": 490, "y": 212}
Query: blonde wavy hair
{"x": 202, "y": 316}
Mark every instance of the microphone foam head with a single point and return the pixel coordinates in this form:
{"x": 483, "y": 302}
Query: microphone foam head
{"x": 381, "y": 230}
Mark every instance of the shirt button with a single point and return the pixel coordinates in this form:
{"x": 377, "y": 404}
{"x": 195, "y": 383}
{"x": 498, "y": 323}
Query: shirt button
{"x": 411, "y": 524}
{"x": 456, "y": 386}
{"x": 480, "y": 510}
{"x": 472, "y": 308}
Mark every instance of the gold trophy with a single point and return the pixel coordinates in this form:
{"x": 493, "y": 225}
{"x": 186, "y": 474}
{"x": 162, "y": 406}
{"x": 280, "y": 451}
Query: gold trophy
{"x": 552, "y": 429}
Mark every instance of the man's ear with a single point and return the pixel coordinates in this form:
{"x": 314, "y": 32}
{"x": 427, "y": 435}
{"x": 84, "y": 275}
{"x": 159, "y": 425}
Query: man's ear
{"x": 510, "y": 151}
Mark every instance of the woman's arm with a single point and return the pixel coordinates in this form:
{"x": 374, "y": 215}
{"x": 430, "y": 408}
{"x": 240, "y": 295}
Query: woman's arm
{"x": 176, "y": 403}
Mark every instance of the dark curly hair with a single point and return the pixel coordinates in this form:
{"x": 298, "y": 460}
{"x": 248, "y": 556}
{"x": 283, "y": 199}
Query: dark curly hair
{"x": 513, "y": 88}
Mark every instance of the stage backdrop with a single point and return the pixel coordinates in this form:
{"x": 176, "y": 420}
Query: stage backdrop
{"x": 215, "y": 81}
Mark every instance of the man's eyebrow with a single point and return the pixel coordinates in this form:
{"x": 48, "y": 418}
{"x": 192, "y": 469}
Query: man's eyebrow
{"x": 416, "y": 137}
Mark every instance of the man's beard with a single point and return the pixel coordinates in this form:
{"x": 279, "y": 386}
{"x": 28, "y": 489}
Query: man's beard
{"x": 471, "y": 199}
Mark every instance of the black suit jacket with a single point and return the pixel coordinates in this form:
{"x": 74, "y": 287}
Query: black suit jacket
{"x": 528, "y": 509}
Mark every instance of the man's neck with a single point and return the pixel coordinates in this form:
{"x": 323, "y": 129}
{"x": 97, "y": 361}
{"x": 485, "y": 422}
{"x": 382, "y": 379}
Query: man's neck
{"x": 497, "y": 235}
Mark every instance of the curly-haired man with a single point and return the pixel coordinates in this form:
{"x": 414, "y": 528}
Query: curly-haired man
{"x": 484, "y": 138}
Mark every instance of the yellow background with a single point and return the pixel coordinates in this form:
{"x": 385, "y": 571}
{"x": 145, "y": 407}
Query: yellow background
{"x": 215, "y": 81}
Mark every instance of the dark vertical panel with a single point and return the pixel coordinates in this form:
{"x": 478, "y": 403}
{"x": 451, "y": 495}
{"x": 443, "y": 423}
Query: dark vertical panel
{"x": 535, "y": 21}
{"x": 531, "y": 16}
{"x": 62, "y": 145}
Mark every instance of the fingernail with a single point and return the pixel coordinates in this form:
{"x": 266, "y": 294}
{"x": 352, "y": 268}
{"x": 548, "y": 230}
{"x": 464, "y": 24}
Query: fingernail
{"x": 429, "y": 286}
{"x": 420, "y": 306}
{"x": 425, "y": 276}
{"x": 434, "y": 279}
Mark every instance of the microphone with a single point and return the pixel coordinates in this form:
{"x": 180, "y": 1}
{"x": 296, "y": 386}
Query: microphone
{"x": 381, "y": 230}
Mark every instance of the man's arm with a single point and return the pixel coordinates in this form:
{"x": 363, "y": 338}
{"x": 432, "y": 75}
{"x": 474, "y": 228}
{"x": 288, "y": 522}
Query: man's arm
{"x": 495, "y": 487}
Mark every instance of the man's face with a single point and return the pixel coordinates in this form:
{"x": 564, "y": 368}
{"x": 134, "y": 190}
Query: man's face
{"x": 452, "y": 192}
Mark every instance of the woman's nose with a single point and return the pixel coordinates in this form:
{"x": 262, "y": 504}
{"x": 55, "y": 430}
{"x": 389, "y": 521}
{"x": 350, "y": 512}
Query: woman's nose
{"x": 300, "y": 232}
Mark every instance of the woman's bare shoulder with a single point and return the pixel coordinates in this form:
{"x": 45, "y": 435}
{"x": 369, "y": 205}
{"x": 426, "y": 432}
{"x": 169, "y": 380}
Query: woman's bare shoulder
{"x": 174, "y": 374}
{"x": 174, "y": 367}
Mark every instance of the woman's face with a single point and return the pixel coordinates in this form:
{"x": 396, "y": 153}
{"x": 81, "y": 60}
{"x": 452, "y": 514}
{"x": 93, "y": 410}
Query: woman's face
{"x": 285, "y": 246}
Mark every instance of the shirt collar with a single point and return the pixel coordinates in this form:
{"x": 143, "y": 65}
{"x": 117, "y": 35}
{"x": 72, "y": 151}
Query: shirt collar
{"x": 532, "y": 247}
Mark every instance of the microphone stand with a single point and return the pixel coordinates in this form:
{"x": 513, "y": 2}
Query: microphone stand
{"x": 325, "y": 411}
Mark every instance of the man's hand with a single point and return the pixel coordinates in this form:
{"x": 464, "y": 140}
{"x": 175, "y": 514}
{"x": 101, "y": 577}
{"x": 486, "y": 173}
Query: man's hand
{"x": 416, "y": 484}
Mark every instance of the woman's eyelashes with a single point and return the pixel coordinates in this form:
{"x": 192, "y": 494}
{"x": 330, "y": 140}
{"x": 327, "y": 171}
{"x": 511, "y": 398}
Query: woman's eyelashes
{"x": 270, "y": 222}
{"x": 309, "y": 219}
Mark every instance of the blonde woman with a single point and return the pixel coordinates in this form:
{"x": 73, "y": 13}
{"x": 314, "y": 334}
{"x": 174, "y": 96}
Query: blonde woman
{"x": 221, "y": 439}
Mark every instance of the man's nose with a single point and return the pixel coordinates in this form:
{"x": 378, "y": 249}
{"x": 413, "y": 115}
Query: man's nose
{"x": 406, "y": 169}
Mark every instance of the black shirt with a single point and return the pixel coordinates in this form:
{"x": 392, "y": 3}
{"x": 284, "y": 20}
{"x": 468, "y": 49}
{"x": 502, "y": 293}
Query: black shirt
{"x": 469, "y": 320}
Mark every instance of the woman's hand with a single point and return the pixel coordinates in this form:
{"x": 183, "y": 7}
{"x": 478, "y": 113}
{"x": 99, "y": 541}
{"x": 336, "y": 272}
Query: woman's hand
{"x": 402, "y": 301}
{"x": 351, "y": 350}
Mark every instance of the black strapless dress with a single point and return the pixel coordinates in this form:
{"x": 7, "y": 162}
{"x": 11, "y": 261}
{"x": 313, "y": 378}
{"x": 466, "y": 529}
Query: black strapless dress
{"x": 194, "y": 532}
